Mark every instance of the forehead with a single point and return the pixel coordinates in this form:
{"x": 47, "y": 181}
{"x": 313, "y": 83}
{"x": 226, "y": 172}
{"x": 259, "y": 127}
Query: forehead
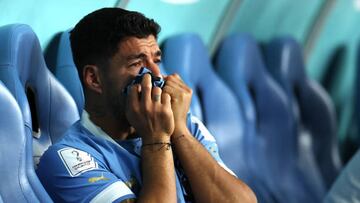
{"x": 133, "y": 45}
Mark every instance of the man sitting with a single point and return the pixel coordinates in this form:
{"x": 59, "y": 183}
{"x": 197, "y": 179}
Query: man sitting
{"x": 139, "y": 146}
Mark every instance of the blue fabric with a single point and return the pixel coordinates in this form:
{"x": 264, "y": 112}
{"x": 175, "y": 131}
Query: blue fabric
{"x": 272, "y": 144}
{"x": 156, "y": 81}
{"x": 22, "y": 67}
{"x": 15, "y": 185}
{"x": 312, "y": 107}
{"x": 114, "y": 162}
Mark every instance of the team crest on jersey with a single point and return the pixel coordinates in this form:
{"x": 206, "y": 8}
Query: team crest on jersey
{"x": 77, "y": 161}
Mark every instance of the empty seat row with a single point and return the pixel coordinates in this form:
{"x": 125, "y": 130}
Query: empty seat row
{"x": 269, "y": 144}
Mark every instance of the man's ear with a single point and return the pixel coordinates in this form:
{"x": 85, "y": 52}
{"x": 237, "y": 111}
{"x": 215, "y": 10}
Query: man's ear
{"x": 91, "y": 75}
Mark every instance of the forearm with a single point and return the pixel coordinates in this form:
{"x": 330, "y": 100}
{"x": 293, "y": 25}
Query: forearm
{"x": 158, "y": 175}
{"x": 209, "y": 181}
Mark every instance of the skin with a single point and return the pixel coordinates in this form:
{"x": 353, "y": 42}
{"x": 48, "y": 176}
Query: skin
{"x": 162, "y": 120}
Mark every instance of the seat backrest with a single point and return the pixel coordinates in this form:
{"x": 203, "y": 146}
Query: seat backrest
{"x": 275, "y": 148}
{"x": 23, "y": 69}
{"x": 312, "y": 107}
{"x": 15, "y": 186}
{"x": 239, "y": 63}
{"x": 186, "y": 55}
{"x": 60, "y": 61}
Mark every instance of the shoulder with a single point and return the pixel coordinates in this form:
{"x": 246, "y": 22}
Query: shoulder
{"x": 71, "y": 151}
{"x": 75, "y": 170}
{"x": 346, "y": 188}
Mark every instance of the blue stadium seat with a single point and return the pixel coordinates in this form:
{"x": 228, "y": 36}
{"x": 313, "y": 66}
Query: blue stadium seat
{"x": 274, "y": 147}
{"x": 312, "y": 107}
{"x": 59, "y": 59}
{"x": 23, "y": 70}
{"x": 15, "y": 185}
{"x": 187, "y": 55}
{"x": 195, "y": 106}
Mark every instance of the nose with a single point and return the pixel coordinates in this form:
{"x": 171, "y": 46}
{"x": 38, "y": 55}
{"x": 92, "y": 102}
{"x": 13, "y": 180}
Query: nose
{"x": 154, "y": 68}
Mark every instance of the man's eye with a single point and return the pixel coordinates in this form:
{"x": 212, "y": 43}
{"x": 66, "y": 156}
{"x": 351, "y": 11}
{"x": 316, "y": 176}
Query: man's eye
{"x": 158, "y": 61}
{"x": 136, "y": 64}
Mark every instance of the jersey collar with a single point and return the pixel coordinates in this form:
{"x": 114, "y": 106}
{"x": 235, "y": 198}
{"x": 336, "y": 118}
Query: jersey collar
{"x": 93, "y": 128}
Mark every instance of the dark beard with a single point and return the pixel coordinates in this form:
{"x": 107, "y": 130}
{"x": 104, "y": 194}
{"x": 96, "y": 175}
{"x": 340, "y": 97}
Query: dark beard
{"x": 117, "y": 102}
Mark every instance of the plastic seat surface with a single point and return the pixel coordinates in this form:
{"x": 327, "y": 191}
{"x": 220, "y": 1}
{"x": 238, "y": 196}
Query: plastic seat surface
{"x": 312, "y": 107}
{"x": 274, "y": 152}
{"x": 61, "y": 63}
{"x": 15, "y": 186}
{"x": 22, "y": 68}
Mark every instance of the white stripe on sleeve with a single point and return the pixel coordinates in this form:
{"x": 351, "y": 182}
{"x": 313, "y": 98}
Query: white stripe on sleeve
{"x": 112, "y": 192}
{"x": 227, "y": 169}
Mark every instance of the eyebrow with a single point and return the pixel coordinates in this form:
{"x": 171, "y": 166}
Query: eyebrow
{"x": 142, "y": 55}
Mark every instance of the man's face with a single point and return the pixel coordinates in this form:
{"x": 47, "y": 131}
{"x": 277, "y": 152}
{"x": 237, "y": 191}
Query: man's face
{"x": 133, "y": 53}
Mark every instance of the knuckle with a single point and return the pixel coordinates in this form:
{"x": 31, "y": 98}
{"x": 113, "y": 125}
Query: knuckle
{"x": 165, "y": 89}
{"x": 134, "y": 109}
{"x": 157, "y": 90}
{"x": 165, "y": 112}
{"x": 189, "y": 90}
{"x": 147, "y": 108}
{"x": 147, "y": 87}
{"x": 183, "y": 94}
{"x": 172, "y": 76}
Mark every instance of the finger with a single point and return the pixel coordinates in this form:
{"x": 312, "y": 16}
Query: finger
{"x": 173, "y": 88}
{"x": 165, "y": 99}
{"x": 133, "y": 96}
{"x": 177, "y": 76}
{"x": 146, "y": 90}
{"x": 168, "y": 90}
{"x": 174, "y": 76}
{"x": 174, "y": 84}
{"x": 156, "y": 94}
{"x": 175, "y": 81}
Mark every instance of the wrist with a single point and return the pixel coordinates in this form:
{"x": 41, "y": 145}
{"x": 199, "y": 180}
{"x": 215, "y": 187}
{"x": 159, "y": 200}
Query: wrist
{"x": 180, "y": 128}
{"x": 156, "y": 139}
{"x": 178, "y": 133}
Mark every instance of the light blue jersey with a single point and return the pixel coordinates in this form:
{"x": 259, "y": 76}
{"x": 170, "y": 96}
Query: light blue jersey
{"x": 86, "y": 165}
{"x": 346, "y": 188}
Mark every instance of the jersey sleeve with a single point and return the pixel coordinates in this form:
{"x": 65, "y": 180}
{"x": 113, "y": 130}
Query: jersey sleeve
{"x": 202, "y": 134}
{"x": 346, "y": 188}
{"x": 73, "y": 175}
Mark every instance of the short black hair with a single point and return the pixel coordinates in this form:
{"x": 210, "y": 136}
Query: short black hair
{"x": 95, "y": 38}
